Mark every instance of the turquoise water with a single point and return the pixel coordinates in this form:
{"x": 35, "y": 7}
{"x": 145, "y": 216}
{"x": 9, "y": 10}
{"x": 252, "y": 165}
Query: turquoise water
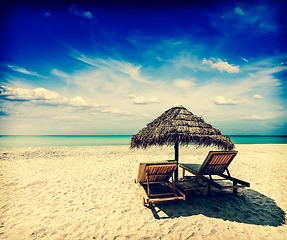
{"x": 103, "y": 140}
{"x": 258, "y": 139}
{"x": 63, "y": 140}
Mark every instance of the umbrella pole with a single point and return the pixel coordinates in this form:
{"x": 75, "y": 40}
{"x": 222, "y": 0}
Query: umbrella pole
{"x": 176, "y": 159}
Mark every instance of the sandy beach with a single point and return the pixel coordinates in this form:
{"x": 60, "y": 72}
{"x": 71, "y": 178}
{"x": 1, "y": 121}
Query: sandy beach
{"x": 89, "y": 193}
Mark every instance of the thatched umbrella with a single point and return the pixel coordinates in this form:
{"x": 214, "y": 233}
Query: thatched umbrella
{"x": 180, "y": 126}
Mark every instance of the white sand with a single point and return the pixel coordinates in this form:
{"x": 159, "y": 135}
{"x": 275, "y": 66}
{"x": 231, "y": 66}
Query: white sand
{"x": 89, "y": 193}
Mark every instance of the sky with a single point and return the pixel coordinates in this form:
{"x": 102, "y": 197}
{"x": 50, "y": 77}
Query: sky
{"x": 111, "y": 68}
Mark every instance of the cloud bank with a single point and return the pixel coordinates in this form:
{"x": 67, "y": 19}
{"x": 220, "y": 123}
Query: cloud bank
{"x": 46, "y": 97}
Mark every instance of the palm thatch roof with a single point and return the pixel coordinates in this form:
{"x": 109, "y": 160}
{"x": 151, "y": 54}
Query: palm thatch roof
{"x": 180, "y": 126}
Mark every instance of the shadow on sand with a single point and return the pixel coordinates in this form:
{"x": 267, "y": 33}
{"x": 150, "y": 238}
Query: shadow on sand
{"x": 248, "y": 206}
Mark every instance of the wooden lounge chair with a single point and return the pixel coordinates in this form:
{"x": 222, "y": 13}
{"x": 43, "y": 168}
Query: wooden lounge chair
{"x": 158, "y": 173}
{"x": 216, "y": 163}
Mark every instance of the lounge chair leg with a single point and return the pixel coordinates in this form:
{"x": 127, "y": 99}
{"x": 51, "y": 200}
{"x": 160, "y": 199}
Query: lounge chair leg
{"x": 209, "y": 190}
{"x": 235, "y": 189}
{"x": 144, "y": 203}
{"x": 183, "y": 173}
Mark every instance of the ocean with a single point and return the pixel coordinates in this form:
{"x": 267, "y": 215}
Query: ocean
{"x": 105, "y": 140}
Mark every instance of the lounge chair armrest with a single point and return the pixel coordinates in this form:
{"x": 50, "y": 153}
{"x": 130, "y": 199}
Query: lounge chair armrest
{"x": 209, "y": 181}
{"x": 235, "y": 180}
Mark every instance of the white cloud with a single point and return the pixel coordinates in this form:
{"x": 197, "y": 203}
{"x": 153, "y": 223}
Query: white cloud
{"x": 88, "y": 14}
{"x": 133, "y": 71}
{"x": 74, "y": 9}
{"x": 142, "y": 100}
{"x": 183, "y": 83}
{"x": 186, "y": 60}
{"x": 79, "y": 101}
{"x": 47, "y": 14}
{"x": 239, "y": 11}
{"x": 109, "y": 110}
{"x": 115, "y": 111}
{"x": 71, "y": 118}
{"x": 257, "y": 96}
{"x": 225, "y": 101}
{"x": 25, "y": 126}
{"x": 20, "y": 94}
{"x": 255, "y": 117}
{"x": 112, "y": 65}
{"x": 279, "y": 107}
{"x": 271, "y": 70}
{"x": 59, "y": 73}
{"x": 23, "y": 70}
{"x": 221, "y": 65}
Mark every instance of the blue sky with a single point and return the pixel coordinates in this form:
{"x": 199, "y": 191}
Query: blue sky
{"x": 106, "y": 68}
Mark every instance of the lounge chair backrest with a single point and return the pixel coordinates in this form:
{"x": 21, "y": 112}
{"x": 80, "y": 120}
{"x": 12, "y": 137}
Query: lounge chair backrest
{"x": 216, "y": 162}
{"x": 160, "y": 171}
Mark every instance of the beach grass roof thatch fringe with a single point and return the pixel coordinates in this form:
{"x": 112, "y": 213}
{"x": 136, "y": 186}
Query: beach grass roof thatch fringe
{"x": 180, "y": 126}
